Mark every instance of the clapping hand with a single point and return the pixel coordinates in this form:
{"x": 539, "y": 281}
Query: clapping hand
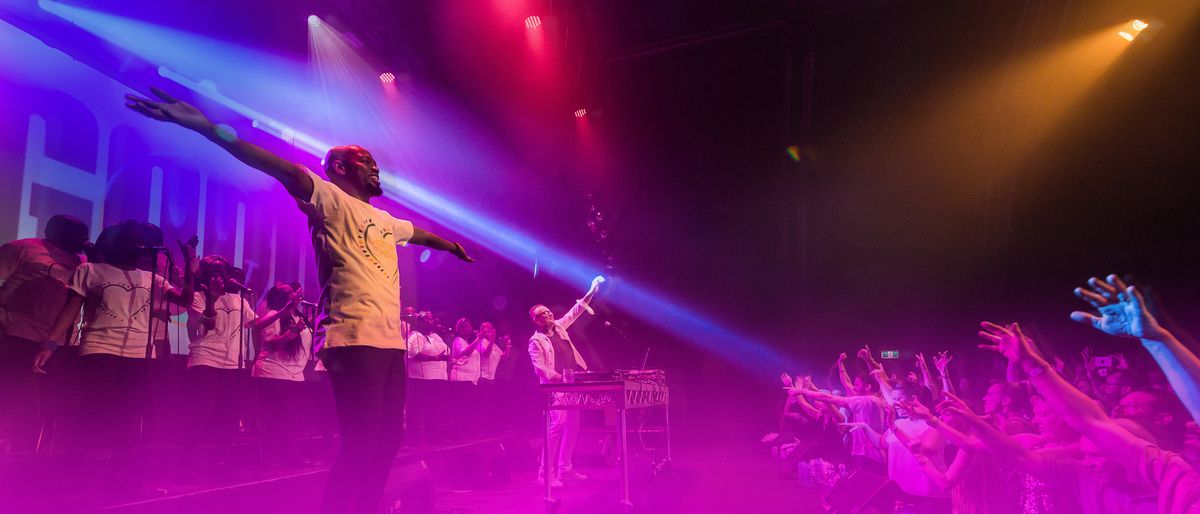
{"x": 1122, "y": 309}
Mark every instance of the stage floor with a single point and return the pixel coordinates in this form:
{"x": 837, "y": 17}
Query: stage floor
{"x": 700, "y": 480}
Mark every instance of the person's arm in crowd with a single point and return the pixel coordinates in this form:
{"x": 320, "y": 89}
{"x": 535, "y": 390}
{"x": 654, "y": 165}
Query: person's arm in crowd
{"x": 917, "y": 410}
{"x": 1123, "y": 313}
{"x": 942, "y": 362}
{"x": 847, "y": 384}
{"x": 182, "y": 296}
{"x": 466, "y": 350}
{"x": 875, "y": 438}
{"x": 953, "y": 474}
{"x": 1083, "y": 414}
{"x": 67, "y": 317}
{"x": 927, "y": 377}
{"x": 273, "y": 341}
{"x": 819, "y": 396}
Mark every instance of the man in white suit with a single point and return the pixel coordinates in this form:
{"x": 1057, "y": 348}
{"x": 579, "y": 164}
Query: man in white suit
{"x": 554, "y": 355}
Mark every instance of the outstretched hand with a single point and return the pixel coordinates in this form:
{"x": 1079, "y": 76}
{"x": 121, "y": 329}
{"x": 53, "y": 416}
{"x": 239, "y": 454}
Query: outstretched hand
{"x": 461, "y": 253}
{"x": 169, "y": 109}
{"x": 1010, "y": 342}
{"x": 1122, "y": 309}
{"x": 786, "y": 379}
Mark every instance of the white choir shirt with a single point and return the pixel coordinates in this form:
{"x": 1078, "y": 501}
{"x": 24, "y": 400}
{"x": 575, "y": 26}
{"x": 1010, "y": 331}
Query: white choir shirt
{"x": 279, "y": 364}
{"x": 116, "y": 308}
{"x": 491, "y": 360}
{"x": 219, "y": 346}
{"x": 430, "y": 346}
{"x": 357, "y": 266}
{"x": 466, "y": 368}
{"x": 35, "y": 275}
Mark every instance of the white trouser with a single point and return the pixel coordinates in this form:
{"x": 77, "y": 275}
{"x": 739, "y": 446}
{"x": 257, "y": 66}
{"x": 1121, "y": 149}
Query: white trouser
{"x": 564, "y": 431}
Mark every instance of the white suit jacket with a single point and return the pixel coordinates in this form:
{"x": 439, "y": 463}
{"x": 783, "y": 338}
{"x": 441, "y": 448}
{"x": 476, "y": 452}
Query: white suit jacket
{"x": 541, "y": 350}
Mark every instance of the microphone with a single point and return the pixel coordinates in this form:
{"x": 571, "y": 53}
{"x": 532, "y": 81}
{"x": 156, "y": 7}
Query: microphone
{"x": 153, "y": 248}
{"x": 237, "y": 285}
{"x": 307, "y": 303}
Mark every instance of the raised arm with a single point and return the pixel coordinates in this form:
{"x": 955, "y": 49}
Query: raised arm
{"x": 942, "y": 362}
{"x": 847, "y": 384}
{"x": 291, "y": 175}
{"x": 1080, "y": 412}
{"x": 819, "y": 396}
{"x": 67, "y": 317}
{"x": 1123, "y": 313}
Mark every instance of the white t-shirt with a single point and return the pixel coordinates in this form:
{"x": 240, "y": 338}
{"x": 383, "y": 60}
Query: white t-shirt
{"x": 218, "y": 347}
{"x": 903, "y": 467}
{"x": 35, "y": 275}
{"x": 116, "y": 308}
{"x": 430, "y": 346}
{"x": 355, "y": 244}
{"x": 279, "y": 363}
{"x": 489, "y": 361}
{"x": 465, "y": 368}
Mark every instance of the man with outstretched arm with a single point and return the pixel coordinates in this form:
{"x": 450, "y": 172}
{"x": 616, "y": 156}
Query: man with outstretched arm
{"x": 358, "y": 330}
{"x": 553, "y": 356}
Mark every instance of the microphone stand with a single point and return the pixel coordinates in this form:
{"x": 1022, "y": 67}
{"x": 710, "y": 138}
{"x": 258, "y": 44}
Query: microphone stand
{"x": 148, "y": 401}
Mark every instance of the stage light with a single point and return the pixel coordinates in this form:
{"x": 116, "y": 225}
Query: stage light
{"x": 533, "y": 22}
{"x": 314, "y": 21}
{"x": 425, "y": 255}
{"x": 1125, "y": 35}
{"x": 387, "y": 77}
{"x": 580, "y": 113}
{"x": 1139, "y": 25}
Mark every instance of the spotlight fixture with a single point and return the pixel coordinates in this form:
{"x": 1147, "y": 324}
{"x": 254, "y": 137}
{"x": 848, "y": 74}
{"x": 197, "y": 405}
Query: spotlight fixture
{"x": 314, "y": 21}
{"x": 387, "y": 77}
{"x": 580, "y": 113}
{"x": 533, "y": 22}
{"x": 1135, "y": 29}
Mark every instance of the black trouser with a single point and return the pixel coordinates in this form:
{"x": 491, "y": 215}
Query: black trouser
{"x": 19, "y": 413}
{"x": 368, "y": 390}
{"x": 214, "y": 406}
{"x": 279, "y": 405}
{"x": 114, "y": 392}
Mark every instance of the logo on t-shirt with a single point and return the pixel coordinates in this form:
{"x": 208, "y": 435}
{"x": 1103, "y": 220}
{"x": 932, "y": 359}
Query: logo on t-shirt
{"x": 136, "y": 297}
{"x": 373, "y": 242}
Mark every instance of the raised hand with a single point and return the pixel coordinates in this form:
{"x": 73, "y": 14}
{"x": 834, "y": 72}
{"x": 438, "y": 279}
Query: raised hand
{"x": 1089, "y": 364}
{"x": 786, "y": 379}
{"x": 1122, "y": 309}
{"x": 1010, "y": 342}
{"x": 952, "y": 402}
{"x": 841, "y": 357}
{"x": 916, "y": 409}
{"x": 169, "y": 109}
{"x": 942, "y": 361}
{"x": 188, "y": 249}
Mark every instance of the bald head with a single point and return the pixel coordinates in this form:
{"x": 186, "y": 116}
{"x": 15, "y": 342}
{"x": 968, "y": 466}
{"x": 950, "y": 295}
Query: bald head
{"x": 353, "y": 169}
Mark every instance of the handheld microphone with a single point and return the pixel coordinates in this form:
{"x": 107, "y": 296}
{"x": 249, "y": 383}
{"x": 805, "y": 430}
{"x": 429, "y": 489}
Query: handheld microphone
{"x": 307, "y": 303}
{"x": 237, "y": 285}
